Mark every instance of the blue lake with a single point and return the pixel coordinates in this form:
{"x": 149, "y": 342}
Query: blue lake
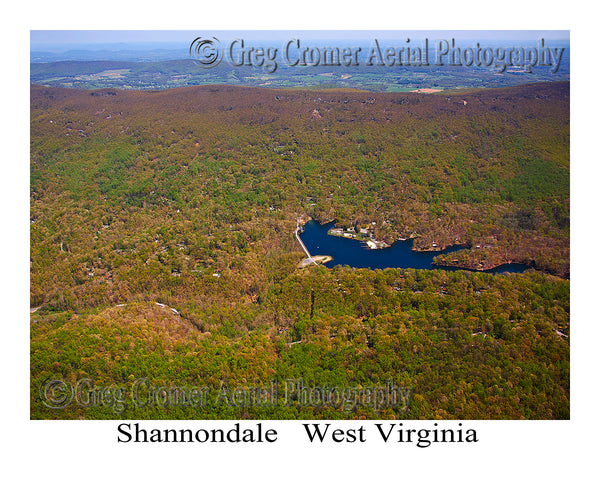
{"x": 356, "y": 254}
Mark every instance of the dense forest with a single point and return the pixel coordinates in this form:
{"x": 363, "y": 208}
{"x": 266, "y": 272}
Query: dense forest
{"x": 163, "y": 247}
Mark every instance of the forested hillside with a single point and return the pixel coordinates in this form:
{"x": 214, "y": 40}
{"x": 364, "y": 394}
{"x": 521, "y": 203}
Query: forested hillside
{"x": 188, "y": 198}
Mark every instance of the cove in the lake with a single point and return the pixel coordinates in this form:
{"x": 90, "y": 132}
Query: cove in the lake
{"x": 356, "y": 254}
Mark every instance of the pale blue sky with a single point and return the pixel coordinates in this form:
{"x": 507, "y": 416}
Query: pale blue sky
{"x": 129, "y": 36}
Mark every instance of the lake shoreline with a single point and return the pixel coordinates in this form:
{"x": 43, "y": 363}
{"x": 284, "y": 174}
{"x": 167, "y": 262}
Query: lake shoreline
{"x": 400, "y": 254}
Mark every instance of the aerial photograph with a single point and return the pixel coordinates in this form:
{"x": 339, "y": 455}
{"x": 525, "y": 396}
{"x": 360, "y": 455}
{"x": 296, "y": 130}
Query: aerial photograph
{"x": 299, "y": 225}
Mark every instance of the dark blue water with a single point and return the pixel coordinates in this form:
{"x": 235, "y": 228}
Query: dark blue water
{"x": 356, "y": 254}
